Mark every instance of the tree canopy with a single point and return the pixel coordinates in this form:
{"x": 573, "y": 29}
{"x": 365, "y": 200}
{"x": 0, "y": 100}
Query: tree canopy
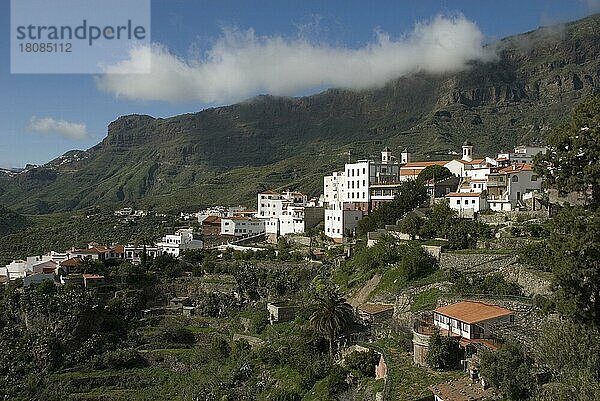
{"x": 434, "y": 172}
{"x": 572, "y": 162}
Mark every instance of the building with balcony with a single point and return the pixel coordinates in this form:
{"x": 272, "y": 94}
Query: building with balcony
{"x": 471, "y": 322}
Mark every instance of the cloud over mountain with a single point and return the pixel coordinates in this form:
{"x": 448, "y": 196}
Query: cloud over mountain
{"x": 66, "y": 129}
{"x": 242, "y": 64}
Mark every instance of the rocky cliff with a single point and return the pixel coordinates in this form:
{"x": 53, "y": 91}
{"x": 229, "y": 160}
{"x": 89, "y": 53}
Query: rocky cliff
{"x": 226, "y": 154}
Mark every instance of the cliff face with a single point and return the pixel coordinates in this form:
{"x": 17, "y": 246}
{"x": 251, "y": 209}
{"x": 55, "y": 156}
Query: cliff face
{"x": 225, "y": 154}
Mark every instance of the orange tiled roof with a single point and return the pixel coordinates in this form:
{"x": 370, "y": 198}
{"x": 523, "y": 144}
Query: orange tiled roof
{"x": 463, "y": 194}
{"x": 72, "y": 262}
{"x": 515, "y": 168}
{"x": 211, "y": 220}
{"x": 118, "y": 249}
{"x": 92, "y": 276}
{"x": 476, "y": 161}
{"x": 473, "y": 311}
{"x": 269, "y": 192}
{"x": 426, "y": 164}
{"x": 96, "y": 249}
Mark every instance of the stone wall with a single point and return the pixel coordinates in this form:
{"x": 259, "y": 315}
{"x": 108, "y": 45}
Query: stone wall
{"x": 516, "y": 216}
{"x": 476, "y": 262}
{"x": 533, "y": 282}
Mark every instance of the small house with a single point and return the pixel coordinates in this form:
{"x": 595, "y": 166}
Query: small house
{"x": 93, "y": 280}
{"x": 281, "y": 311}
{"x": 375, "y": 313}
{"x": 470, "y": 319}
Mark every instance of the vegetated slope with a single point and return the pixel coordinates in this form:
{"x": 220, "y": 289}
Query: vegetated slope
{"x": 10, "y": 221}
{"x": 226, "y": 154}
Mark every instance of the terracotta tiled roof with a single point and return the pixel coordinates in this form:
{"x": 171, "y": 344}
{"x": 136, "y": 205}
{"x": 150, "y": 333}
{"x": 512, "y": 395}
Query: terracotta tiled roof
{"x": 118, "y": 249}
{"x": 462, "y": 389}
{"x": 269, "y": 192}
{"x": 426, "y": 164}
{"x": 73, "y": 262}
{"x": 412, "y": 171}
{"x": 515, "y": 168}
{"x": 475, "y": 161}
{"x": 374, "y": 309}
{"x": 93, "y": 277}
{"x": 463, "y": 194}
{"x": 211, "y": 220}
{"x": 96, "y": 250}
{"x": 473, "y": 311}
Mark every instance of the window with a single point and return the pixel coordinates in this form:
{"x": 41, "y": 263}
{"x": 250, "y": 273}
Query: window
{"x": 466, "y": 201}
{"x": 534, "y": 177}
{"x": 364, "y": 171}
{"x": 473, "y": 201}
{"x": 515, "y": 178}
{"x": 458, "y": 201}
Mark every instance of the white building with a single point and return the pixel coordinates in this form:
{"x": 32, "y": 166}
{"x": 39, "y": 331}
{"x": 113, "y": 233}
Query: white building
{"x": 334, "y": 187}
{"x": 467, "y": 203}
{"x": 471, "y": 319}
{"x": 340, "y": 223}
{"x": 520, "y": 154}
{"x": 133, "y": 253}
{"x": 242, "y": 226}
{"x": 22, "y": 268}
{"x": 507, "y": 186}
{"x": 174, "y": 244}
{"x": 287, "y": 213}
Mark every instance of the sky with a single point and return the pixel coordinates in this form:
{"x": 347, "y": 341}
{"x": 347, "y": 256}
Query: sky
{"x": 210, "y": 53}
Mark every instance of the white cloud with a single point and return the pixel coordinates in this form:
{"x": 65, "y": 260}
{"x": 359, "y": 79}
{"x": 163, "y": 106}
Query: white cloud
{"x": 48, "y": 125}
{"x": 242, "y": 64}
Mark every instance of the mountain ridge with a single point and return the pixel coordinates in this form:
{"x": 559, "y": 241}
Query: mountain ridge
{"x": 226, "y": 154}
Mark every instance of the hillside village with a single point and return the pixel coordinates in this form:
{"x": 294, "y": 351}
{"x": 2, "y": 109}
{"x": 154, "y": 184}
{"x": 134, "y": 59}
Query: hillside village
{"x": 503, "y": 191}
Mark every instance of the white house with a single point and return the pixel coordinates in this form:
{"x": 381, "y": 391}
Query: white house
{"x": 467, "y": 203}
{"x": 288, "y": 212}
{"x": 507, "y": 186}
{"x": 340, "y": 223}
{"x": 470, "y": 319}
{"x": 521, "y": 154}
{"x": 133, "y": 253}
{"x": 242, "y": 226}
{"x": 182, "y": 240}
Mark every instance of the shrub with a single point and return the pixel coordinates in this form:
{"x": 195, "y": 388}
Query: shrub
{"x": 176, "y": 334}
{"x": 443, "y": 351}
{"x": 119, "y": 359}
{"x": 362, "y": 363}
{"x": 220, "y": 347}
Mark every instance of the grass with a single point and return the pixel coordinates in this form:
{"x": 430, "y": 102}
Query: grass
{"x": 426, "y": 300}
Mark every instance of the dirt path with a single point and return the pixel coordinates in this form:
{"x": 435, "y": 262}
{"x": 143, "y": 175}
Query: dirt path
{"x": 361, "y": 296}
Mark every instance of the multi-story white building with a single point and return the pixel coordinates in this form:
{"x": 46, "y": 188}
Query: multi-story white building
{"x": 340, "y": 223}
{"x": 242, "y": 226}
{"x": 507, "y": 186}
{"x": 520, "y": 154}
{"x": 287, "y": 213}
{"x": 174, "y": 244}
{"x": 334, "y": 187}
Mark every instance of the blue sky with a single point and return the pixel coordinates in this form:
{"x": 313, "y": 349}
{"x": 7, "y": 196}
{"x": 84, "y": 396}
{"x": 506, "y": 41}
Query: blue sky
{"x": 187, "y": 28}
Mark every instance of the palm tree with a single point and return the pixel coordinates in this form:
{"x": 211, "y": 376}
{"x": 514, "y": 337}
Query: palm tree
{"x": 331, "y": 316}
